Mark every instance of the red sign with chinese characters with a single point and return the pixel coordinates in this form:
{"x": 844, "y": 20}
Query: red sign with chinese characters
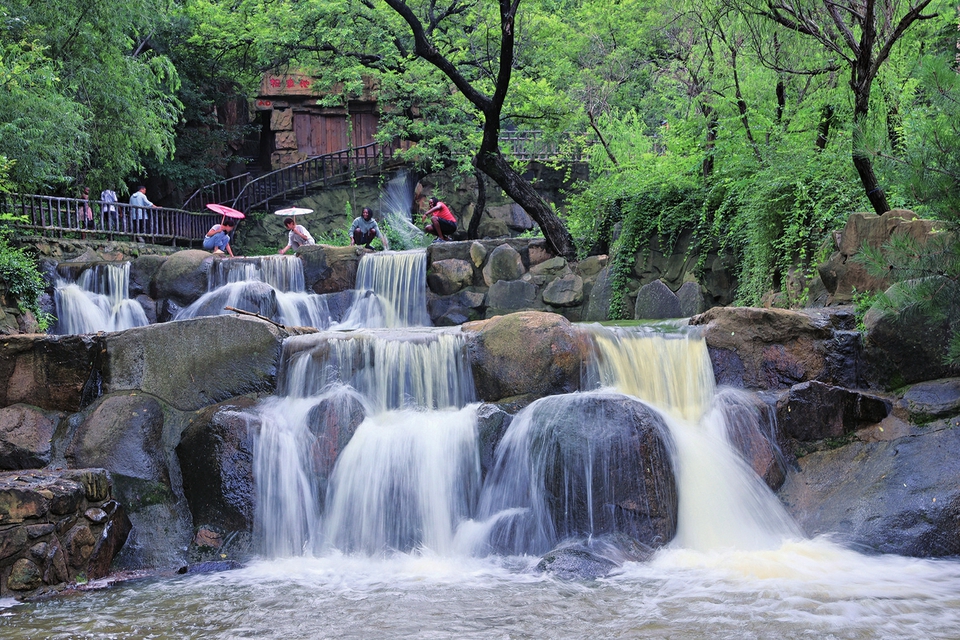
{"x": 286, "y": 85}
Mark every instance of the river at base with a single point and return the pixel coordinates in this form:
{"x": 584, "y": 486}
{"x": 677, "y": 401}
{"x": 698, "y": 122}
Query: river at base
{"x": 806, "y": 589}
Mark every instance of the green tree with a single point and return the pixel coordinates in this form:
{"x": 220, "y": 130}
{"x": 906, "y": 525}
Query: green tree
{"x": 863, "y": 34}
{"x": 117, "y": 96}
{"x": 42, "y": 132}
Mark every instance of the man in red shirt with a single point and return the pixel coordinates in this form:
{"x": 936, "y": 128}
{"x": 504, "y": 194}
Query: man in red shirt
{"x": 443, "y": 224}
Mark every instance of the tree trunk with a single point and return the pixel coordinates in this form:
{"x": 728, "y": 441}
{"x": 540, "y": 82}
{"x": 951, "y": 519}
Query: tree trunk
{"x": 870, "y": 184}
{"x": 823, "y": 127}
{"x": 711, "y": 141}
{"x": 496, "y": 166}
{"x": 473, "y": 231}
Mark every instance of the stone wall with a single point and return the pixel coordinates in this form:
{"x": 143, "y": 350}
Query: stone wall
{"x": 57, "y": 527}
{"x": 478, "y": 279}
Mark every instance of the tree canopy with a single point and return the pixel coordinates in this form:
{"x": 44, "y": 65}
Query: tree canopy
{"x": 760, "y": 124}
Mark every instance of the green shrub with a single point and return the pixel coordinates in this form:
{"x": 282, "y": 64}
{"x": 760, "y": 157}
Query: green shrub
{"x": 24, "y": 282}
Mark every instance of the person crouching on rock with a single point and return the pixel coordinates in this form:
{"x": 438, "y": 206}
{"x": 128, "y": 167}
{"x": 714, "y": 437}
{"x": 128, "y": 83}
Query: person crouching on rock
{"x": 443, "y": 224}
{"x": 218, "y": 238}
{"x": 297, "y": 237}
{"x": 364, "y": 230}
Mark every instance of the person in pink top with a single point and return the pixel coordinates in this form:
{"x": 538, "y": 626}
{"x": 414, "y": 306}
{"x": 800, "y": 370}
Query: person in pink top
{"x": 443, "y": 224}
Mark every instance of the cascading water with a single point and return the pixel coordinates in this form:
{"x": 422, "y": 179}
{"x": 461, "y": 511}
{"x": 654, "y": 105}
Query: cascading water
{"x": 377, "y": 428}
{"x": 271, "y": 286}
{"x": 723, "y": 503}
{"x": 396, "y": 204}
{"x": 98, "y": 301}
{"x": 390, "y": 292}
{"x": 397, "y": 280}
{"x": 368, "y": 502}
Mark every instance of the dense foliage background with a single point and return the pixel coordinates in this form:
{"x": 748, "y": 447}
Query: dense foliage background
{"x": 757, "y": 123}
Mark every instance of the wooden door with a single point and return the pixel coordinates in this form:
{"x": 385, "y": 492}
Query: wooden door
{"x": 303, "y": 125}
{"x": 334, "y": 133}
{"x": 364, "y": 128}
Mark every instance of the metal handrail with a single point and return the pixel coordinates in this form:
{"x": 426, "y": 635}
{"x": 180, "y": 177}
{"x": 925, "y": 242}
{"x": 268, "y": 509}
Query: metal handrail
{"x": 327, "y": 170}
{"x": 54, "y": 216}
{"x": 223, "y": 191}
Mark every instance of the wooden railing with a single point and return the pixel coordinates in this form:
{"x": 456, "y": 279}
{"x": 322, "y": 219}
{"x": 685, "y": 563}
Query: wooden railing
{"x": 327, "y": 170}
{"x": 245, "y": 192}
{"x": 527, "y": 146}
{"x": 216, "y": 193}
{"x": 55, "y": 217}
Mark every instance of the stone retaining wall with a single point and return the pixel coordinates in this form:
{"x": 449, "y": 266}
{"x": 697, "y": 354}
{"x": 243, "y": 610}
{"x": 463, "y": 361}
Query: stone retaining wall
{"x": 57, "y": 527}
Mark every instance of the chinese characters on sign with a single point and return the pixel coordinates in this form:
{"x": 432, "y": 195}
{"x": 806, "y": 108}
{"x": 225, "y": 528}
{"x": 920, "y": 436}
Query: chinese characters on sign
{"x": 287, "y": 84}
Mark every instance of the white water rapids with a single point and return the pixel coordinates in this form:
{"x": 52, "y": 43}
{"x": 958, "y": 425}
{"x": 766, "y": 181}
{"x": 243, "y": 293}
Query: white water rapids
{"x": 382, "y": 542}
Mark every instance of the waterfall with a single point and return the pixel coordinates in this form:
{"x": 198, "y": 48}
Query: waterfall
{"x": 272, "y": 286}
{"x": 390, "y": 292}
{"x": 371, "y": 444}
{"x": 396, "y": 205}
{"x": 578, "y": 466}
{"x": 398, "y": 280}
{"x": 98, "y": 301}
{"x": 722, "y": 502}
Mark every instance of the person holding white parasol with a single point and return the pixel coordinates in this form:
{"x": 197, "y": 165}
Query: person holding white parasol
{"x": 297, "y": 234}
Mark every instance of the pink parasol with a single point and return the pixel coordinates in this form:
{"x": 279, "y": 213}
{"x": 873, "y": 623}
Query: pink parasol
{"x": 226, "y": 211}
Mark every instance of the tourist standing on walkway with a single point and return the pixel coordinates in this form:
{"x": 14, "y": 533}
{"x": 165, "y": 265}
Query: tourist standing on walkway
{"x": 139, "y": 212}
{"x": 85, "y": 213}
{"x": 443, "y": 223}
{"x": 297, "y": 236}
{"x": 218, "y": 238}
{"x": 365, "y": 230}
{"x": 108, "y": 209}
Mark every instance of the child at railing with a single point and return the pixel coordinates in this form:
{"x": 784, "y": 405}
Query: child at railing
{"x": 85, "y": 213}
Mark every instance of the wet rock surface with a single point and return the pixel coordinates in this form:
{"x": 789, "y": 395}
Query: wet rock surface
{"x": 900, "y": 496}
{"x": 524, "y": 353}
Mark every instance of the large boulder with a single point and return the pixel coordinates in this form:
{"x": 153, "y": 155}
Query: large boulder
{"x": 329, "y": 269}
{"x": 464, "y": 306}
{"x": 123, "y": 434}
{"x": 843, "y": 276}
{"x": 598, "y": 304}
{"x": 655, "y": 301}
{"x": 900, "y": 350}
{"x": 583, "y": 465}
{"x": 216, "y": 462}
{"x": 143, "y": 270}
{"x": 182, "y": 277}
{"x": 776, "y": 348}
{"x": 56, "y": 373}
{"x": 332, "y": 423}
{"x": 215, "y": 358}
{"x": 504, "y": 263}
{"x": 527, "y": 353}
{"x": 566, "y": 291}
{"x": 56, "y": 527}
{"x": 900, "y": 496}
{"x": 753, "y": 431}
{"x": 813, "y": 411}
{"x": 506, "y": 296}
{"x": 449, "y": 276}
{"x": 25, "y": 437}
{"x": 927, "y": 401}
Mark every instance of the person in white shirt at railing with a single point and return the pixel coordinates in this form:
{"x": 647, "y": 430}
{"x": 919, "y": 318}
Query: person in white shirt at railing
{"x": 108, "y": 209}
{"x": 139, "y": 213}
